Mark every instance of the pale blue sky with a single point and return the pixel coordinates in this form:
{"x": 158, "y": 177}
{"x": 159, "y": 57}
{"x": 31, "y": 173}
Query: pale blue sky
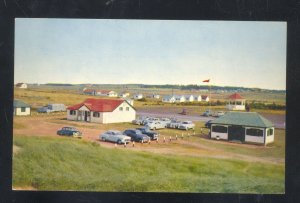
{"x": 231, "y": 53}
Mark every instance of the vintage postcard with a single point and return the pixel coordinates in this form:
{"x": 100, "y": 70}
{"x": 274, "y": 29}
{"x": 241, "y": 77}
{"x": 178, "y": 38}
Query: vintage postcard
{"x": 149, "y": 106}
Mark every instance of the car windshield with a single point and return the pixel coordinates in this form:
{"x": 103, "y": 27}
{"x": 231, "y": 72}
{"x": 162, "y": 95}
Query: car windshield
{"x": 185, "y": 122}
{"x": 138, "y": 132}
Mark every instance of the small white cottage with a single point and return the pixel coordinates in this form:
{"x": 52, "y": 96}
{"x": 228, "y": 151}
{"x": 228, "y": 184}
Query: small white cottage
{"x": 138, "y": 96}
{"x": 21, "y": 108}
{"x": 248, "y": 127}
{"x": 179, "y": 98}
{"x": 197, "y": 98}
{"x": 102, "y": 111}
{"x": 107, "y": 93}
{"x": 204, "y": 98}
{"x": 189, "y": 98}
{"x": 168, "y": 99}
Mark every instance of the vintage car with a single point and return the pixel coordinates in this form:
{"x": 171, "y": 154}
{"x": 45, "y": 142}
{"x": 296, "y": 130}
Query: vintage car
{"x": 70, "y": 131}
{"x": 152, "y": 134}
{"x": 136, "y": 135}
{"x": 186, "y": 125}
{"x": 173, "y": 124}
{"x": 115, "y": 136}
{"x": 153, "y": 125}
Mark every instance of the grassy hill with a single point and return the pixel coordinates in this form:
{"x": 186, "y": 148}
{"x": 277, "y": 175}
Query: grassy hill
{"x": 47, "y": 163}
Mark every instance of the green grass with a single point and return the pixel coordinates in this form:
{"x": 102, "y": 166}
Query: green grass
{"x": 47, "y": 163}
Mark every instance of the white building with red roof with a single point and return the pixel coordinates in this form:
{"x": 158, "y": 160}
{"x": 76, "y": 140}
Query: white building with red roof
{"x": 236, "y": 102}
{"x": 102, "y": 111}
{"x": 107, "y": 93}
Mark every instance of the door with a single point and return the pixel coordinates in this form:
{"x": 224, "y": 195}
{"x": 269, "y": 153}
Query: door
{"x": 236, "y": 133}
{"x": 85, "y": 115}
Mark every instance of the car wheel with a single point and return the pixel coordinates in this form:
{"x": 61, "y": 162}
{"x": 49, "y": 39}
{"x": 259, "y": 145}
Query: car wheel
{"x": 103, "y": 138}
{"x": 119, "y": 142}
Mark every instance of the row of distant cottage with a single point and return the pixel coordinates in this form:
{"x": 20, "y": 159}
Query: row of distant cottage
{"x": 167, "y": 98}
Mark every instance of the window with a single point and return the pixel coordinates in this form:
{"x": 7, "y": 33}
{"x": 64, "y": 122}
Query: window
{"x": 72, "y": 112}
{"x": 127, "y": 108}
{"x": 270, "y": 132}
{"x": 121, "y": 108}
{"x": 23, "y": 109}
{"x": 255, "y": 132}
{"x": 219, "y": 129}
{"x": 238, "y": 103}
{"x": 96, "y": 114}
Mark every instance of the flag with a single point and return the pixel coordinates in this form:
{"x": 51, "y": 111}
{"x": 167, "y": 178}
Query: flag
{"x": 205, "y": 80}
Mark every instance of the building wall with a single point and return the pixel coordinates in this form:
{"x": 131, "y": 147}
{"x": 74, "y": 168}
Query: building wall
{"x": 18, "y": 112}
{"x": 118, "y": 116}
{"x": 270, "y": 139}
{"x": 223, "y": 136}
{"x": 235, "y": 107}
{"x": 71, "y": 117}
{"x": 255, "y": 139}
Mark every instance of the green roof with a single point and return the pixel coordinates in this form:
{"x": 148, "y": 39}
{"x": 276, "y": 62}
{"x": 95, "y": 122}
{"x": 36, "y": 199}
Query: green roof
{"x": 252, "y": 119}
{"x": 19, "y": 104}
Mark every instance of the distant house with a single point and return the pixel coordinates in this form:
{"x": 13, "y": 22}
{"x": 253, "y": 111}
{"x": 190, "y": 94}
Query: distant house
{"x": 236, "y": 102}
{"x": 124, "y": 94}
{"x": 244, "y": 127}
{"x": 107, "y": 93}
{"x": 168, "y": 99}
{"x": 21, "y": 85}
{"x": 155, "y": 96}
{"x": 179, "y": 98}
{"x": 21, "y": 108}
{"x": 189, "y": 98}
{"x": 88, "y": 91}
{"x": 197, "y": 98}
{"x": 204, "y": 98}
{"x": 102, "y": 111}
{"x": 137, "y": 96}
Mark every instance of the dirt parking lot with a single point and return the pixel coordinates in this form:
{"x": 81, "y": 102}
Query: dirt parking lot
{"x": 48, "y": 126}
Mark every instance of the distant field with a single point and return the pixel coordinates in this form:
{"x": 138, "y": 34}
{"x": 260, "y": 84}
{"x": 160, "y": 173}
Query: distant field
{"x": 46, "y": 163}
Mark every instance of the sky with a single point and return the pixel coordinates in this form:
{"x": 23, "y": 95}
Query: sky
{"x": 101, "y": 51}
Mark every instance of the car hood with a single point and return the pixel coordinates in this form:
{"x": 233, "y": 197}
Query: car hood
{"x": 123, "y": 137}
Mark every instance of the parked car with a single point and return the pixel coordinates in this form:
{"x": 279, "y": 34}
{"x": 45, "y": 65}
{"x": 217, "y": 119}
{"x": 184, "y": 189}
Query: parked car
{"x": 149, "y": 119}
{"x": 52, "y": 108}
{"x": 165, "y": 121}
{"x": 115, "y": 136}
{"x": 173, "y": 124}
{"x": 136, "y": 135}
{"x": 218, "y": 113}
{"x": 187, "y": 125}
{"x": 207, "y": 113}
{"x": 153, "y": 125}
{"x": 70, "y": 131}
{"x": 138, "y": 121}
{"x": 152, "y": 134}
{"x": 208, "y": 124}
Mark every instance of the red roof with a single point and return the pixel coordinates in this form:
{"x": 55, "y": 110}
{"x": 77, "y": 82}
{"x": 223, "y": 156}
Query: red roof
{"x": 88, "y": 90}
{"x": 99, "y": 105}
{"x": 235, "y": 96}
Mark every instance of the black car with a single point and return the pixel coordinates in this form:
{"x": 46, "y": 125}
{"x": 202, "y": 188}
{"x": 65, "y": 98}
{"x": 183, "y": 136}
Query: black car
{"x": 146, "y": 131}
{"x": 70, "y": 131}
{"x": 136, "y": 135}
{"x": 208, "y": 124}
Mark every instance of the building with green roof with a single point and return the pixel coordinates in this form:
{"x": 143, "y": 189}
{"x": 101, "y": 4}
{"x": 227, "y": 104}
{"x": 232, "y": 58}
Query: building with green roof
{"x": 244, "y": 127}
{"x": 21, "y": 108}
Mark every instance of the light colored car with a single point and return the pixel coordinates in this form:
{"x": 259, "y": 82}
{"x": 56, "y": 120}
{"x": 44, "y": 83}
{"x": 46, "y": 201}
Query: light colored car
{"x": 207, "y": 113}
{"x": 173, "y": 124}
{"x": 115, "y": 136}
{"x": 150, "y": 119}
{"x": 165, "y": 121}
{"x": 138, "y": 121}
{"x": 153, "y": 125}
{"x": 218, "y": 114}
{"x": 187, "y": 125}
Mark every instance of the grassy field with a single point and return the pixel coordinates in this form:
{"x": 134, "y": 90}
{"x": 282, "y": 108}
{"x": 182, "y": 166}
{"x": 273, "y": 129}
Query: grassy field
{"x": 47, "y": 163}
